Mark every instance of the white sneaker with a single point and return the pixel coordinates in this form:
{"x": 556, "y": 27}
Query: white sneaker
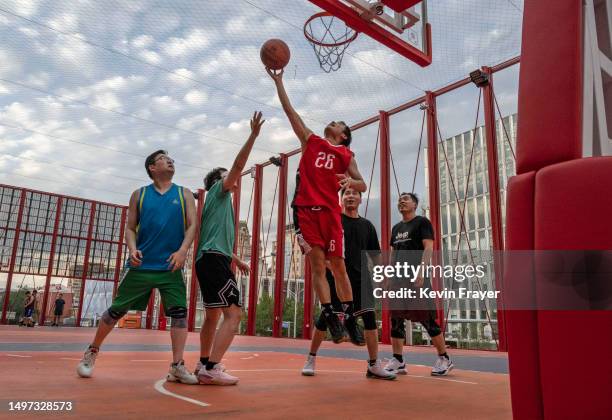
{"x": 86, "y": 365}
{"x": 200, "y": 366}
{"x": 396, "y": 367}
{"x": 378, "y": 372}
{"x": 216, "y": 376}
{"x": 442, "y": 366}
{"x": 179, "y": 373}
{"x": 309, "y": 366}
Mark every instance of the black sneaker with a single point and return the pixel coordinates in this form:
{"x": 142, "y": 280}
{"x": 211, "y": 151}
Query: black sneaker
{"x": 336, "y": 329}
{"x": 355, "y": 331}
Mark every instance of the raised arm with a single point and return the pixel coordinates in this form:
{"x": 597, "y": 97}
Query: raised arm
{"x": 242, "y": 157}
{"x": 354, "y": 179}
{"x": 299, "y": 128}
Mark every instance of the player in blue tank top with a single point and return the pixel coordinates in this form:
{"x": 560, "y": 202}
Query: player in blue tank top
{"x": 160, "y": 229}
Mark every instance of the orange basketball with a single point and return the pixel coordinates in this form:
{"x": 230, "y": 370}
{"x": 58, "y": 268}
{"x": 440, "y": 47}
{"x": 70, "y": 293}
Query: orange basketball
{"x": 275, "y": 54}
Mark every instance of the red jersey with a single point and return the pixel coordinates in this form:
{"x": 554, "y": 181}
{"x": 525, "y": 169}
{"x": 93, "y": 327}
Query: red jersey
{"x": 316, "y": 181}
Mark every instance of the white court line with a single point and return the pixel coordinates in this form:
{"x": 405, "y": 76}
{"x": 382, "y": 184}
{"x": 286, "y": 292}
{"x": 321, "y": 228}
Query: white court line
{"x": 159, "y": 387}
{"x": 69, "y": 358}
{"x": 17, "y": 355}
{"x": 247, "y": 358}
{"x": 438, "y": 378}
{"x": 146, "y": 360}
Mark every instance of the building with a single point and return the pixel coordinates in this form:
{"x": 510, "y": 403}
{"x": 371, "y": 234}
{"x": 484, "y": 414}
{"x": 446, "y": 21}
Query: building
{"x": 470, "y": 321}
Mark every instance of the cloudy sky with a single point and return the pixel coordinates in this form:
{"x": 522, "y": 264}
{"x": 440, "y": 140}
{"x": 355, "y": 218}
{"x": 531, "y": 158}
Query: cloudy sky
{"x": 89, "y": 88}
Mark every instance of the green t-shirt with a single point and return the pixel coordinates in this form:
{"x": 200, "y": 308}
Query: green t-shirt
{"x": 217, "y": 227}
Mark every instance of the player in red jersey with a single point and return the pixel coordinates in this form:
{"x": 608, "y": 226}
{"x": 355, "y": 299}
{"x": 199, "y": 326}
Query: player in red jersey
{"x": 326, "y": 166}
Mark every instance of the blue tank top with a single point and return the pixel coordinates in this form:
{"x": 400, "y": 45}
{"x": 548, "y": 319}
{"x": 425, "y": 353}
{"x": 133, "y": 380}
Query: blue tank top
{"x": 161, "y": 226}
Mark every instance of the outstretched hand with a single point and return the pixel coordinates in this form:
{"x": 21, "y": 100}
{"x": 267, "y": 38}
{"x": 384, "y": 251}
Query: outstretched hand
{"x": 256, "y": 123}
{"x": 276, "y": 75}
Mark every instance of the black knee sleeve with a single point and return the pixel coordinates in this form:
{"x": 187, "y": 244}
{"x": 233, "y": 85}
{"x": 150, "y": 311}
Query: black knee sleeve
{"x": 111, "y": 317}
{"x": 398, "y": 329}
{"x": 320, "y": 324}
{"x": 178, "y": 315}
{"x": 432, "y": 327}
{"x": 369, "y": 320}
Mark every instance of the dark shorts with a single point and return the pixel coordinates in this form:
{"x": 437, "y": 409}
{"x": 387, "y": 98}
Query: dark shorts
{"x": 28, "y": 312}
{"x": 58, "y": 312}
{"x": 217, "y": 281}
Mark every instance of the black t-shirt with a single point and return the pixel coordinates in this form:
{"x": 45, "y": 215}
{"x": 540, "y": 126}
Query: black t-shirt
{"x": 59, "y": 304}
{"x": 359, "y": 235}
{"x": 408, "y": 236}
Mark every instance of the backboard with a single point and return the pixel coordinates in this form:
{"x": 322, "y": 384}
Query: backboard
{"x": 399, "y": 24}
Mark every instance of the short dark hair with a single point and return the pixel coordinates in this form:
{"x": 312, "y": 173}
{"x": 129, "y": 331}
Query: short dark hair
{"x": 150, "y": 160}
{"x": 347, "y": 133}
{"x": 27, "y": 292}
{"x": 413, "y": 196}
{"x": 343, "y": 190}
{"x": 34, "y": 291}
{"x": 212, "y": 177}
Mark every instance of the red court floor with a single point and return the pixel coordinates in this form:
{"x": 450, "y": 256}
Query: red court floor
{"x": 39, "y": 365}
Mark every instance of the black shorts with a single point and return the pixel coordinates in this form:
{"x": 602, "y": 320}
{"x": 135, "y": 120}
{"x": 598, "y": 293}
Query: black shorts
{"x": 217, "y": 281}
{"x": 58, "y": 312}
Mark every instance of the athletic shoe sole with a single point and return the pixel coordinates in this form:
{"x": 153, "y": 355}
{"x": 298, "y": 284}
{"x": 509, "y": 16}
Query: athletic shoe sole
{"x": 384, "y": 378}
{"x": 172, "y": 378}
{"x": 443, "y": 373}
{"x": 307, "y": 373}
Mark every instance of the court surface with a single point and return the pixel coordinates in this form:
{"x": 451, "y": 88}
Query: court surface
{"x": 39, "y": 365}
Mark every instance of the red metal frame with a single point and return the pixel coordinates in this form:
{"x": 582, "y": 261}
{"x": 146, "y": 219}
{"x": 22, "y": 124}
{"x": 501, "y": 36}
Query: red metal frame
{"x": 43, "y": 311}
{"x": 400, "y": 5}
{"x": 352, "y": 19}
{"x": 494, "y": 198}
{"x": 385, "y": 207}
{"x": 92, "y": 217}
{"x": 281, "y": 226}
{"x": 150, "y": 305}
{"x": 254, "y": 277}
{"x": 308, "y": 303}
{"x": 433, "y": 172}
{"x": 119, "y": 251}
{"x": 9, "y": 279}
{"x": 193, "y": 287}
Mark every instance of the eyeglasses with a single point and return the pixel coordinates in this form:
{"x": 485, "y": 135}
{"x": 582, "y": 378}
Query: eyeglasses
{"x": 168, "y": 159}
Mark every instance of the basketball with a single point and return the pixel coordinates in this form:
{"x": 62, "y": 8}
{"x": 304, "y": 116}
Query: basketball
{"x": 275, "y": 54}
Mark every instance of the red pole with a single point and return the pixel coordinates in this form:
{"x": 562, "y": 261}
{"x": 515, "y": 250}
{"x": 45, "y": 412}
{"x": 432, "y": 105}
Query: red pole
{"x": 254, "y": 277}
{"x": 119, "y": 251}
{"x": 307, "y": 321}
{"x": 385, "y": 208}
{"x": 494, "y": 198}
{"x": 9, "y": 279}
{"x": 150, "y": 305}
{"x": 433, "y": 173}
{"x": 193, "y": 288}
{"x": 161, "y": 318}
{"x": 92, "y": 215}
{"x": 279, "y": 281}
{"x": 45, "y": 302}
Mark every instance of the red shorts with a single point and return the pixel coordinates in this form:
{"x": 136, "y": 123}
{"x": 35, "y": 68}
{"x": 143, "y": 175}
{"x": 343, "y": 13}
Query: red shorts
{"x": 319, "y": 226}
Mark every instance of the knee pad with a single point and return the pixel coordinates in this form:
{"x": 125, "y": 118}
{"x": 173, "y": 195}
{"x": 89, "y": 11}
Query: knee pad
{"x": 320, "y": 324}
{"x": 369, "y": 320}
{"x": 110, "y": 317}
{"x": 398, "y": 329}
{"x": 178, "y": 315}
{"x": 432, "y": 327}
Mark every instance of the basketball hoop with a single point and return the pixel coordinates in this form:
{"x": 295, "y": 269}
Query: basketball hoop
{"x": 329, "y": 37}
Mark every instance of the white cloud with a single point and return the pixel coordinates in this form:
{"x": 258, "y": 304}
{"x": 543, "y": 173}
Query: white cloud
{"x": 150, "y": 56}
{"x": 107, "y": 100}
{"x": 29, "y": 32}
{"x": 195, "y": 41}
{"x": 181, "y": 77}
{"x": 192, "y": 123}
{"x": 165, "y": 104}
{"x": 195, "y": 97}
{"x": 26, "y": 7}
{"x": 142, "y": 41}
{"x": 66, "y": 22}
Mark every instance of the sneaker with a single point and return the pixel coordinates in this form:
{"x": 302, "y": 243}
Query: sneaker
{"x": 355, "y": 331}
{"x": 179, "y": 373}
{"x": 336, "y": 329}
{"x": 396, "y": 367}
{"x": 309, "y": 366}
{"x": 378, "y": 372}
{"x": 200, "y": 366}
{"x": 86, "y": 365}
{"x": 216, "y": 376}
{"x": 442, "y": 366}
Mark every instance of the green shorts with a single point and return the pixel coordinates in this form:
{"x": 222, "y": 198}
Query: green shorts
{"x": 135, "y": 290}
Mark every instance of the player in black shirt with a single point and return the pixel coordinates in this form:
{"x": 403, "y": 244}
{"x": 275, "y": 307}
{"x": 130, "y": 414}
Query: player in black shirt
{"x": 359, "y": 235}
{"x": 415, "y": 233}
{"x": 58, "y": 310}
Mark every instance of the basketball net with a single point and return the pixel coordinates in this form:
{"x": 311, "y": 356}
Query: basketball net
{"x": 329, "y": 37}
